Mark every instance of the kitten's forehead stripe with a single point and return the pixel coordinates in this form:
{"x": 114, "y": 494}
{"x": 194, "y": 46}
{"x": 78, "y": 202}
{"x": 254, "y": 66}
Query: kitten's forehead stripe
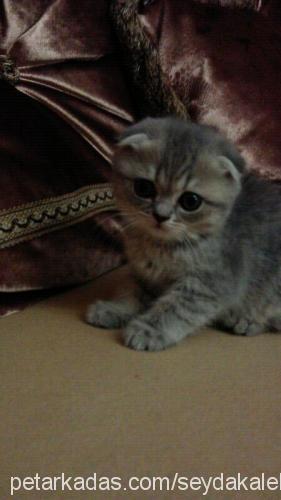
{"x": 177, "y": 162}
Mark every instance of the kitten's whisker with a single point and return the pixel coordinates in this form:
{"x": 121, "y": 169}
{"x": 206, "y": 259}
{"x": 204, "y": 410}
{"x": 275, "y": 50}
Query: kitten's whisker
{"x": 124, "y": 229}
{"x": 128, "y": 225}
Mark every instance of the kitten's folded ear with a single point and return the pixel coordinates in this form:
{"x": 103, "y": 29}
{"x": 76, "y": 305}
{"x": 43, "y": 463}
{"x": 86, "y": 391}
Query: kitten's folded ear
{"x": 134, "y": 141}
{"x": 129, "y": 152}
{"x": 229, "y": 151}
{"x": 224, "y": 147}
{"x": 134, "y": 145}
{"x": 228, "y": 169}
{"x": 138, "y": 135}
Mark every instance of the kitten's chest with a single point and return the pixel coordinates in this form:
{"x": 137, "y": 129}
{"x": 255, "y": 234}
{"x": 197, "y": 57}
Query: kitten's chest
{"x": 155, "y": 267}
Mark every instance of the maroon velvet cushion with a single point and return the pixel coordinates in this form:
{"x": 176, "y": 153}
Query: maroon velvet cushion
{"x": 223, "y": 59}
{"x": 63, "y": 102}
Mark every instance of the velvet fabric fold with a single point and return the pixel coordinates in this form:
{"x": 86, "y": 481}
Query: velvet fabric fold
{"x": 63, "y": 52}
{"x": 241, "y": 4}
{"x": 64, "y": 100}
{"x": 225, "y": 66}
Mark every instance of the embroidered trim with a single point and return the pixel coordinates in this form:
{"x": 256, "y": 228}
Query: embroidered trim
{"x": 34, "y": 219}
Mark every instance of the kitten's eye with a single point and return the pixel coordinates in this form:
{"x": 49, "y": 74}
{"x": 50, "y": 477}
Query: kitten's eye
{"x": 144, "y": 188}
{"x": 190, "y": 201}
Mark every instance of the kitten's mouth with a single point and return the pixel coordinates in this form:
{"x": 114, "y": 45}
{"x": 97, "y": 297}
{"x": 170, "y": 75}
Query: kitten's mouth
{"x": 161, "y": 230}
{"x": 159, "y": 226}
{"x": 158, "y": 230}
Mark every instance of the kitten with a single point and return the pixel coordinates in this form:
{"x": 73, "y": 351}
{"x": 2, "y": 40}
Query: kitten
{"x": 203, "y": 237}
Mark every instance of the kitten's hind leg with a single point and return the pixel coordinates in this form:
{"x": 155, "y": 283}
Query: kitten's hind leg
{"x": 274, "y": 324}
{"x": 241, "y": 324}
{"x": 112, "y": 314}
{"x": 248, "y": 327}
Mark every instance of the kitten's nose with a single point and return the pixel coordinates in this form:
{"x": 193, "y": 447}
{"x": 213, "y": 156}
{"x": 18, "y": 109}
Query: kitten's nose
{"x": 160, "y": 218}
{"x": 162, "y": 210}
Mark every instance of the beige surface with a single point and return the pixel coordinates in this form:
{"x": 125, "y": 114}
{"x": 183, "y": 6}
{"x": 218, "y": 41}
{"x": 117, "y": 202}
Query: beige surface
{"x": 74, "y": 400}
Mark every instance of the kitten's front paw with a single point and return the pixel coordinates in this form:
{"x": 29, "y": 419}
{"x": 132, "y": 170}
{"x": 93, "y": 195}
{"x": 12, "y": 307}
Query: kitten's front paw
{"x": 104, "y": 314}
{"x": 140, "y": 336}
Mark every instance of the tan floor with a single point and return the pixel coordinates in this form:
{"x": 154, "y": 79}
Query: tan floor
{"x": 74, "y": 400}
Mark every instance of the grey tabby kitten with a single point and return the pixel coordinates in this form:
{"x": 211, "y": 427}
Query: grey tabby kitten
{"x": 203, "y": 238}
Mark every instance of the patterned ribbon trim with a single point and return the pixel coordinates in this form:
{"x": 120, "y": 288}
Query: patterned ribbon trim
{"x": 34, "y": 219}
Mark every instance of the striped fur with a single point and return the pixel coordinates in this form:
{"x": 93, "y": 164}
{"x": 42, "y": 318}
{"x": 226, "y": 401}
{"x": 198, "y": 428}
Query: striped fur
{"x": 217, "y": 264}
